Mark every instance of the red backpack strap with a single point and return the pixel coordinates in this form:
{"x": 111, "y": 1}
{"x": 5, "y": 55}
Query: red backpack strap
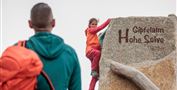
{"x": 21, "y": 43}
{"x": 48, "y": 80}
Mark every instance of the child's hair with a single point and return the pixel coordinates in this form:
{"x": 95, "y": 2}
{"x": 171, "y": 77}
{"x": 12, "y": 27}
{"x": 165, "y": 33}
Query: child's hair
{"x": 92, "y": 19}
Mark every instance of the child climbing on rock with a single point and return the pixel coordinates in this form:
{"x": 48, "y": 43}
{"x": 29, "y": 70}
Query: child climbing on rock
{"x": 93, "y": 48}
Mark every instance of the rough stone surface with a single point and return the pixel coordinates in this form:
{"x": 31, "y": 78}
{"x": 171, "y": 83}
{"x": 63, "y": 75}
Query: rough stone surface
{"x": 146, "y": 43}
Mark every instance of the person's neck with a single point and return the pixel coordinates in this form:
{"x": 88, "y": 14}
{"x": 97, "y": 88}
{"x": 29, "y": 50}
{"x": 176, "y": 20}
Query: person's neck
{"x": 42, "y": 30}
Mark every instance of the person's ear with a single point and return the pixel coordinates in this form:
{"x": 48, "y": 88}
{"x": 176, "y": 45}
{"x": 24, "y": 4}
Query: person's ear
{"x": 30, "y": 23}
{"x": 53, "y": 23}
{"x": 89, "y": 25}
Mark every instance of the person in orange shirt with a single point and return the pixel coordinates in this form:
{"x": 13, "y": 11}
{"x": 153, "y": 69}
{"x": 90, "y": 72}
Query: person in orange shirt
{"x": 93, "y": 48}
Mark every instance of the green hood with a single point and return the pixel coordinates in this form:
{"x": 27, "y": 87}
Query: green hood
{"x": 47, "y": 45}
{"x": 59, "y": 60}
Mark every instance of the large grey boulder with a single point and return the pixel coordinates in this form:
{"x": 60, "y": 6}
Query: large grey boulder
{"x": 145, "y": 43}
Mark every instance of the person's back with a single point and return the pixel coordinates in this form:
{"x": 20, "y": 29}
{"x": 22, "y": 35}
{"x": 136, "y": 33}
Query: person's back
{"x": 59, "y": 59}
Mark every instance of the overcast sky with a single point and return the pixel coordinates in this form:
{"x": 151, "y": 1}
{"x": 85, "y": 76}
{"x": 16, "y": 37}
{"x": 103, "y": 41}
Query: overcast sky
{"x": 72, "y": 19}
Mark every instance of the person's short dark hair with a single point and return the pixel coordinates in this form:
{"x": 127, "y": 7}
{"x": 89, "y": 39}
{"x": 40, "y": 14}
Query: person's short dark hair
{"x": 41, "y": 15}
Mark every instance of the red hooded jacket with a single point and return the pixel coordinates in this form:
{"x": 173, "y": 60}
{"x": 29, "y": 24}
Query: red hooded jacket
{"x": 92, "y": 38}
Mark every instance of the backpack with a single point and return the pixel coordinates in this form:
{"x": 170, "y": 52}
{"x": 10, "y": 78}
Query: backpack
{"x": 19, "y": 68}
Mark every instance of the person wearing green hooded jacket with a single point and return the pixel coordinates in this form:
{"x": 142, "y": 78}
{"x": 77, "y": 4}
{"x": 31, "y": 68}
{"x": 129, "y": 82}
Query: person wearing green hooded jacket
{"x": 59, "y": 59}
